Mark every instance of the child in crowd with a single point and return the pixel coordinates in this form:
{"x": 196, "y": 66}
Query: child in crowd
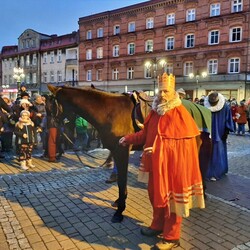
{"x": 24, "y": 131}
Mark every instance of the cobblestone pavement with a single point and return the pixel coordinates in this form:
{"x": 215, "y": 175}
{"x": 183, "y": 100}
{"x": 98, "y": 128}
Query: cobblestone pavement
{"x": 66, "y": 205}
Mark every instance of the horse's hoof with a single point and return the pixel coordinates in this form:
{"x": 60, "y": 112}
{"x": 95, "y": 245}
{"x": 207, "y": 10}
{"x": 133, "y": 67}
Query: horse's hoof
{"x": 117, "y": 218}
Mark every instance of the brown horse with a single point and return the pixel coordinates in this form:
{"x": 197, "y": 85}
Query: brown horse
{"x": 111, "y": 115}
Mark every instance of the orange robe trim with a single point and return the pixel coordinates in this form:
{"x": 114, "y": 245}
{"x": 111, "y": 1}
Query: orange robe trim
{"x": 175, "y": 166}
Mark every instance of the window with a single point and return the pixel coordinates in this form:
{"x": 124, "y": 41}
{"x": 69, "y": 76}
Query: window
{"x": 27, "y": 78}
{"x": 131, "y": 49}
{"x": 215, "y": 9}
{"x": 22, "y": 61}
{"x": 131, "y": 27}
{"x": 150, "y": 23}
{"x": 99, "y": 75}
{"x": 212, "y": 66}
{"x": 89, "y": 54}
{"x": 52, "y": 55}
{"x": 148, "y": 70}
{"x": 130, "y": 73}
{"x": 116, "y": 50}
{"x": 188, "y": 68}
{"x": 169, "y": 68}
{"x": 116, "y": 29}
{"x": 89, "y": 75}
{"x": 45, "y": 58}
{"x": 52, "y": 76}
{"x": 234, "y": 65}
{"x": 59, "y": 56}
{"x": 99, "y": 52}
{"x": 237, "y": 5}
{"x": 59, "y": 76}
{"x": 89, "y": 34}
{"x": 115, "y": 74}
{"x": 190, "y": 15}
{"x": 170, "y": 19}
{"x": 169, "y": 43}
{"x": 213, "y": 37}
{"x": 189, "y": 41}
{"x": 34, "y": 78}
{"x": 34, "y": 59}
{"x": 28, "y": 60}
{"x": 45, "y": 78}
{"x": 100, "y": 32}
{"x": 149, "y": 46}
{"x": 235, "y": 34}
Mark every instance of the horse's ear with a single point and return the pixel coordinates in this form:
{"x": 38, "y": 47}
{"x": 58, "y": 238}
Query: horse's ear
{"x": 92, "y": 86}
{"x": 53, "y": 89}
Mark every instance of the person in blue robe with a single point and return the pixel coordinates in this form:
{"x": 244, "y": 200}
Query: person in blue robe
{"x": 222, "y": 124}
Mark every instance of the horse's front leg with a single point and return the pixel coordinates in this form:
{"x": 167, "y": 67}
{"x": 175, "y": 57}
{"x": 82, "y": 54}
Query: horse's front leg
{"x": 121, "y": 156}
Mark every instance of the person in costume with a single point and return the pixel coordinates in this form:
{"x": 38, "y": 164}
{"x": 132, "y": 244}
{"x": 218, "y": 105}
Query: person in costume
{"x": 171, "y": 158}
{"x": 222, "y": 124}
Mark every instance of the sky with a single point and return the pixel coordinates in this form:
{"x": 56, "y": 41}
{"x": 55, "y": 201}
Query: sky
{"x": 49, "y": 16}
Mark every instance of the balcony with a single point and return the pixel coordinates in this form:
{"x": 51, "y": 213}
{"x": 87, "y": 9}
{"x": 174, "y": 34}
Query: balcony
{"x": 70, "y": 62}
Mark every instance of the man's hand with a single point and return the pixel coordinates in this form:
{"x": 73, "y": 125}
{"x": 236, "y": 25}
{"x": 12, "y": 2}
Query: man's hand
{"x": 123, "y": 142}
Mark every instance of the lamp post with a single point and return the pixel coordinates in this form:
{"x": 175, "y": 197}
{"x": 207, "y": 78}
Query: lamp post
{"x": 152, "y": 65}
{"x": 197, "y": 77}
{"x": 18, "y": 76}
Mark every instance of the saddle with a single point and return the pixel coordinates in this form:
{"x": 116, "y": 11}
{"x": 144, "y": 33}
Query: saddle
{"x": 142, "y": 107}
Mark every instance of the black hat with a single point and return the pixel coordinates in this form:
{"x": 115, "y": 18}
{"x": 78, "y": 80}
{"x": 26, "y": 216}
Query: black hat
{"x": 24, "y": 94}
{"x": 213, "y": 98}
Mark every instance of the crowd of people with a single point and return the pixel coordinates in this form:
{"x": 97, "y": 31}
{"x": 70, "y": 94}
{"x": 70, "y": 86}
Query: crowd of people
{"x": 27, "y": 122}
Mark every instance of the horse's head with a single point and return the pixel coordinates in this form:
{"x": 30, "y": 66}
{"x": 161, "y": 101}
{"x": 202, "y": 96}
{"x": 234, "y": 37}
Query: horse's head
{"x": 53, "y": 108}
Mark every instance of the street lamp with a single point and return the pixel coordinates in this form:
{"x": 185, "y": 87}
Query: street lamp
{"x": 153, "y": 65}
{"x": 197, "y": 77}
{"x": 18, "y": 76}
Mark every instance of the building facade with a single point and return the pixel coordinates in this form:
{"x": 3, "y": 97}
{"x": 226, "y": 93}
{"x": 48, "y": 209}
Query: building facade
{"x": 205, "y": 44}
{"x": 42, "y": 58}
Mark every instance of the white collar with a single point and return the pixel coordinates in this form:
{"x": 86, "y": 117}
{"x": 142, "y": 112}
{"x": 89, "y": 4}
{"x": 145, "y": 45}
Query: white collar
{"x": 218, "y": 106}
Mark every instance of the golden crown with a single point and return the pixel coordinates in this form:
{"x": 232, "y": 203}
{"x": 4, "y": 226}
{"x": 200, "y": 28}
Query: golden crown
{"x": 166, "y": 81}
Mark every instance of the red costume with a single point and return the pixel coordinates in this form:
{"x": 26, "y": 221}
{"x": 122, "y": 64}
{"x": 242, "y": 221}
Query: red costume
{"x": 175, "y": 182}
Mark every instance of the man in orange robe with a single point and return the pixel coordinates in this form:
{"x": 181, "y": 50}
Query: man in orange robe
{"x": 171, "y": 158}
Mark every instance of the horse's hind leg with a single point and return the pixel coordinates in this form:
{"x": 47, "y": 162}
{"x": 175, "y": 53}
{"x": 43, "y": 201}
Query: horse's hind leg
{"x": 121, "y": 156}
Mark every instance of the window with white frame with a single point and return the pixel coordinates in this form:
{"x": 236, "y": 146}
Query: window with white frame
{"x": 131, "y": 27}
{"x": 99, "y": 52}
{"x": 169, "y": 43}
{"x": 45, "y": 56}
{"x": 116, "y": 29}
{"x": 59, "y": 56}
{"x": 89, "y": 34}
{"x": 100, "y": 32}
{"x": 189, "y": 41}
{"x": 131, "y": 48}
{"x": 234, "y": 65}
{"x": 59, "y": 76}
{"x": 88, "y": 54}
{"x": 22, "y": 61}
{"x": 212, "y": 66}
{"x": 89, "y": 75}
{"x": 34, "y": 78}
{"x": 150, "y": 23}
{"x": 237, "y": 5}
{"x": 169, "y": 68}
{"x": 213, "y": 37}
{"x": 149, "y": 45}
{"x": 52, "y": 56}
{"x": 188, "y": 68}
{"x": 45, "y": 77}
{"x": 52, "y": 76}
{"x": 115, "y": 50}
{"x": 190, "y": 15}
{"x": 235, "y": 34}
{"x": 115, "y": 74}
{"x": 99, "y": 75}
{"x": 27, "y": 78}
{"x": 130, "y": 73}
{"x": 214, "y": 9}
{"x": 28, "y": 60}
{"x": 148, "y": 70}
{"x": 34, "y": 59}
{"x": 170, "y": 19}
{"x": 10, "y": 79}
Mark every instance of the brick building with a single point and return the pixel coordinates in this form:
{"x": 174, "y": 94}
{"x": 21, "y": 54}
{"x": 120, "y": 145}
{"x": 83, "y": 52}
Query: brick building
{"x": 127, "y": 48}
